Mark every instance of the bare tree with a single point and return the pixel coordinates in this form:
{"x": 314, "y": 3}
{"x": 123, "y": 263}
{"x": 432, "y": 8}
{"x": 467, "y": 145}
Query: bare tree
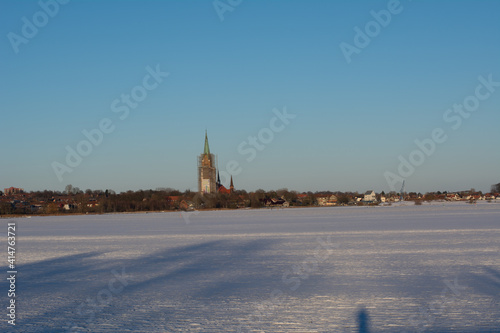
{"x": 68, "y": 189}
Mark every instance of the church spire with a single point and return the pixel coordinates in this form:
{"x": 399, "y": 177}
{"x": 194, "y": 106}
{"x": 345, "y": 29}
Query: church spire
{"x": 207, "y": 172}
{"x": 207, "y": 148}
{"x": 231, "y": 186}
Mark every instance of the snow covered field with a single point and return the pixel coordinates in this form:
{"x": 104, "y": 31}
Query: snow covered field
{"x": 432, "y": 268}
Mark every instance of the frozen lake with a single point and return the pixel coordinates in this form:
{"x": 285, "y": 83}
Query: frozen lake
{"x": 431, "y": 268}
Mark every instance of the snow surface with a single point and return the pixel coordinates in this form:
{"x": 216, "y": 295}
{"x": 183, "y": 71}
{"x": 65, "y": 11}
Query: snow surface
{"x": 429, "y": 268}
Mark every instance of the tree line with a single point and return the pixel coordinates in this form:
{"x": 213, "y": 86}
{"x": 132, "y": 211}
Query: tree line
{"x": 75, "y": 200}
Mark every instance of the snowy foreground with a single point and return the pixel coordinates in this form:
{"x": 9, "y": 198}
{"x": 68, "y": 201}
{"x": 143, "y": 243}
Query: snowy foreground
{"x": 430, "y": 268}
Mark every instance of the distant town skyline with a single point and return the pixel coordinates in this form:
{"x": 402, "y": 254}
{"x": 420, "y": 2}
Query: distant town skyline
{"x": 304, "y": 95}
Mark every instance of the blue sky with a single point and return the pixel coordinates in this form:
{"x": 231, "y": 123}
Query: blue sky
{"x": 353, "y": 120}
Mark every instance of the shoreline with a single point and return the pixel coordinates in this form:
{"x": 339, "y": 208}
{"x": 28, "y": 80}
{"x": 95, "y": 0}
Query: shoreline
{"x": 392, "y": 204}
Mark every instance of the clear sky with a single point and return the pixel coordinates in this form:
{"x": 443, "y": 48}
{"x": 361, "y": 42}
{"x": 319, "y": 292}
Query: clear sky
{"x": 355, "y": 102}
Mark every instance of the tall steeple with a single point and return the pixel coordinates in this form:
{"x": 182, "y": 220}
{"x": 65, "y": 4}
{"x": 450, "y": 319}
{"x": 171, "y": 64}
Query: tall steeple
{"x": 207, "y": 148}
{"x": 231, "y": 186}
{"x": 207, "y": 173}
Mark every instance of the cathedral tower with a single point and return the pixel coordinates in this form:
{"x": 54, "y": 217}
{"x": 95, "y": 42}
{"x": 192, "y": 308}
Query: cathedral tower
{"x": 206, "y": 170}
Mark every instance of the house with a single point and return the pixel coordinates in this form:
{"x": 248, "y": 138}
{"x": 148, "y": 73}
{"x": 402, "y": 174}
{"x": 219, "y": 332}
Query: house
{"x": 173, "y": 199}
{"x": 301, "y": 198}
{"x": 321, "y": 200}
{"x": 12, "y": 190}
{"x": 477, "y": 197}
{"x": 326, "y": 200}
{"x": 370, "y": 196}
{"x": 69, "y": 206}
{"x": 276, "y": 202}
{"x": 489, "y": 196}
{"x": 242, "y": 202}
{"x": 186, "y": 205}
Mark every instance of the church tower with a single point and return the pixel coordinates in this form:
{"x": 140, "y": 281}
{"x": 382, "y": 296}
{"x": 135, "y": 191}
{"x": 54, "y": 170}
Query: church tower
{"x": 206, "y": 170}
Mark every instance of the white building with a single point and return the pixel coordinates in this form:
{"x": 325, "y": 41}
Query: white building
{"x": 370, "y": 196}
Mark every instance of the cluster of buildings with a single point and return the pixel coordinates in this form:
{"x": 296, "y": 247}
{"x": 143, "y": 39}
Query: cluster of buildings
{"x": 464, "y": 196}
{"x": 370, "y": 197}
{"x": 13, "y": 191}
{"x": 16, "y": 198}
{"x": 20, "y": 202}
